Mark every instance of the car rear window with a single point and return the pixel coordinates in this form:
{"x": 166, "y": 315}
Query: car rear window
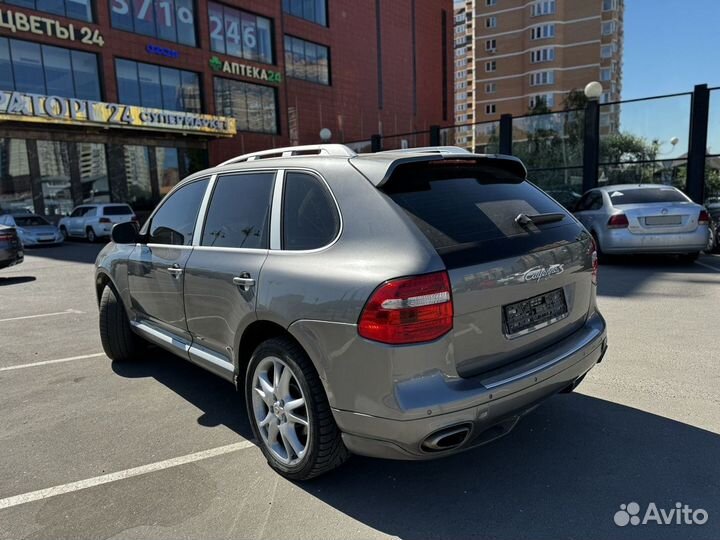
{"x": 30, "y": 221}
{"x": 117, "y": 210}
{"x": 646, "y": 195}
{"x": 473, "y": 210}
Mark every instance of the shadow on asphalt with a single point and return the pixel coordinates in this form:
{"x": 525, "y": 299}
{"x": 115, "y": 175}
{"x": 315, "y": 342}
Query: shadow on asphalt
{"x": 562, "y": 473}
{"x": 16, "y": 280}
{"x": 217, "y": 398}
{"x": 70, "y": 251}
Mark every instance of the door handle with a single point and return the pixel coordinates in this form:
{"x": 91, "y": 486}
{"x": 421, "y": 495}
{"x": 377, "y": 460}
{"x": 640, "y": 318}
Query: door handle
{"x": 175, "y": 270}
{"x": 244, "y": 281}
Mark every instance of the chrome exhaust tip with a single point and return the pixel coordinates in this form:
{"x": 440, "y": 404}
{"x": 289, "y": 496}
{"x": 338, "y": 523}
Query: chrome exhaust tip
{"x": 446, "y": 439}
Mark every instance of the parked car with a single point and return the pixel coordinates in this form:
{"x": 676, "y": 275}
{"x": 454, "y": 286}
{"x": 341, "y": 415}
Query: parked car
{"x": 11, "y": 248}
{"x": 94, "y": 221}
{"x": 33, "y": 230}
{"x": 406, "y": 304}
{"x": 644, "y": 218}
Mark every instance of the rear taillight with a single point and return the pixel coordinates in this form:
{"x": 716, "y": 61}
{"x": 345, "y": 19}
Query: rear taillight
{"x": 6, "y": 236}
{"x": 408, "y": 310}
{"x": 618, "y": 221}
{"x": 104, "y": 220}
{"x": 703, "y": 218}
{"x": 594, "y": 259}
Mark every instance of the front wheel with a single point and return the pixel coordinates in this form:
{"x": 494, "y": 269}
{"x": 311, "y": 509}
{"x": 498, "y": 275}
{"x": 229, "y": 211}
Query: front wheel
{"x": 119, "y": 342}
{"x": 289, "y": 412}
{"x": 90, "y": 234}
{"x": 64, "y": 232}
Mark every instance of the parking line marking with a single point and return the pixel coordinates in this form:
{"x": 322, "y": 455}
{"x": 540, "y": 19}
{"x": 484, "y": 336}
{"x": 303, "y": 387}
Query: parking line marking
{"x": 66, "y": 312}
{"x": 46, "y": 362}
{"x": 707, "y": 266}
{"x": 41, "y": 494}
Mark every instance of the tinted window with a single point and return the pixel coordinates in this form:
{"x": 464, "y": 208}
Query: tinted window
{"x": 123, "y": 210}
{"x": 596, "y": 201}
{"x": 239, "y": 212}
{"x": 647, "y": 195}
{"x": 310, "y": 218}
{"x": 30, "y": 221}
{"x": 174, "y": 222}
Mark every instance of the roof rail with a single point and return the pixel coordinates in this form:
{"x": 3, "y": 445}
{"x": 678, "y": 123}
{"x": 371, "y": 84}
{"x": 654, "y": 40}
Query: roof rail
{"x": 290, "y": 151}
{"x": 428, "y": 149}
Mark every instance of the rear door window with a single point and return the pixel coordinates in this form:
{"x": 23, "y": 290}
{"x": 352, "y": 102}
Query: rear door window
{"x": 122, "y": 210}
{"x": 647, "y": 196}
{"x": 310, "y": 217}
{"x": 473, "y": 209}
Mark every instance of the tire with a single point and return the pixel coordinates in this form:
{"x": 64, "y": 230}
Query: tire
{"x": 90, "y": 235}
{"x": 602, "y": 258}
{"x": 119, "y": 342}
{"x": 323, "y": 449}
{"x": 689, "y": 257}
{"x": 64, "y": 232}
{"x": 711, "y": 242}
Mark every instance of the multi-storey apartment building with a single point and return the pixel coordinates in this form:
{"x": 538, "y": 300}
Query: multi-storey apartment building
{"x": 464, "y": 70}
{"x": 526, "y": 51}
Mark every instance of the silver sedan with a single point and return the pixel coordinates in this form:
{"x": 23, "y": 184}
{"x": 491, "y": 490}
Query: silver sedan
{"x": 644, "y": 218}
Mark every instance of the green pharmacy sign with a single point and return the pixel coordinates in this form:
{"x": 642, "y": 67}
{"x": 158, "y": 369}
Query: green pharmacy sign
{"x": 244, "y": 70}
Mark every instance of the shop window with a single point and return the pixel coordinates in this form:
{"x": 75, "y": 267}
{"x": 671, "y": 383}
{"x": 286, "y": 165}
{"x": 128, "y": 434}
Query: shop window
{"x": 149, "y": 85}
{"x": 54, "y": 160}
{"x": 252, "y": 105}
{"x": 15, "y": 181}
{"x": 240, "y": 34}
{"x": 168, "y": 168}
{"x": 171, "y": 20}
{"x": 306, "y": 60}
{"x": 45, "y": 69}
{"x": 74, "y": 9}
{"x": 310, "y": 10}
{"x": 137, "y": 173}
{"x": 93, "y": 172}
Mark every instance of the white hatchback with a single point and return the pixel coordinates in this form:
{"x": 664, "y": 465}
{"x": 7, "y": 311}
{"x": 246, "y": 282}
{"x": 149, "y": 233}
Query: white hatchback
{"x": 93, "y": 221}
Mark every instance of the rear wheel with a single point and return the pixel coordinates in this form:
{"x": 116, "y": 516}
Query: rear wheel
{"x": 90, "y": 235}
{"x": 119, "y": 342}
{"x": 289, "y": 412}
{"x": 64, "y": 232}
{"x": 601, "y": 257}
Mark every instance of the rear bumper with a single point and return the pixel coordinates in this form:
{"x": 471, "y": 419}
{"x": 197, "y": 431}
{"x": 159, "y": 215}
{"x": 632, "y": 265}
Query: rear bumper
{"x": 622, "y": 241}
{"x": 10, "y": 257}
{"x": 489, "y": 404}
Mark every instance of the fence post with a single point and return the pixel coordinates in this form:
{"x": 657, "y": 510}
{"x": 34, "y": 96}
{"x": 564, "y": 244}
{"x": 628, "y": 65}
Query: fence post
{"x": 591, "y": 145}
{"x": 434, "y": 135}
{"x": 505, "y": 142}
{"x": 375, "y": 143}
{"x": 697, "y": 147}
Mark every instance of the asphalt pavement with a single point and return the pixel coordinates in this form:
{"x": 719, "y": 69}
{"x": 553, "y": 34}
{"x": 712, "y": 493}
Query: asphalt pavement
{"x": 162, "y": 449}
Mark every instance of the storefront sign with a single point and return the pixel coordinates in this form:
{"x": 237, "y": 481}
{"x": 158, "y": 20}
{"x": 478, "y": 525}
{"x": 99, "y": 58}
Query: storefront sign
{"x": 244, "y": 70}
{"x": 16, "y": 21}
{"x": 22, "y": 107}
{"x": 161, "y": 51}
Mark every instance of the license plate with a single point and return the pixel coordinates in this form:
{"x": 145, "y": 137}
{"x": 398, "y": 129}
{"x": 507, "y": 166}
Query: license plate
{"x": 663, "y": 220}
{"x": 535, "y": 313}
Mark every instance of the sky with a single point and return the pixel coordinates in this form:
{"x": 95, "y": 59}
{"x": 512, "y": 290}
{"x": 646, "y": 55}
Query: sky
{"x": 670, "y": 46}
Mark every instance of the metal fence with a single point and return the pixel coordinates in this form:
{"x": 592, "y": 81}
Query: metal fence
{"x": 672, "y": 140}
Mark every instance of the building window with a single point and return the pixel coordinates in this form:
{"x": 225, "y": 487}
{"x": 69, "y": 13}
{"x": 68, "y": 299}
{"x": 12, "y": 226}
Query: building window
{"x": 310, "y": 10}
{"x": 490, "y": 2}
{"x": 608, "y": 28}
{"x": 149, "y": 85}
{"x": 490, "y": 108}
{"x": 543, "y": 7}
{"x": 45, "y": 69}
{"x": 308, "y": 61}
{"x": 490, "y": 45}
{"x": 490, "y": 88}
{"x": 605, "y": 74}
{"x": 543, "y": 31}
{"x": 240, "y": 34}
{"x": 609, "y": 5}
{"x": 74, "y": 9}
{"x": 605, "y": 97}
{"x": 171, "y": 20}
{"x": 252, "y": 105}
{"x": 547, "y": 99}
{"x": 606, "y": 51}
{"x": 542, "y": 78}
{"x": 490, "y": 66}
{"x": 491, "y": 22}
{"x": 542, "y": 55}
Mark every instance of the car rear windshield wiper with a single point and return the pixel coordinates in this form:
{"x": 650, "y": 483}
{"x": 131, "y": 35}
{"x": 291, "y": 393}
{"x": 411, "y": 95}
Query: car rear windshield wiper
{"x": 538, "y": 219}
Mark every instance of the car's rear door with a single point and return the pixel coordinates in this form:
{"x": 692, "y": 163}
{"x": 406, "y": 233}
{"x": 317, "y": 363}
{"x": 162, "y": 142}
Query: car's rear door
{"x": 222, "y": 274}
{"x": 516, "y": 288}
{"x": 156, "y": 266}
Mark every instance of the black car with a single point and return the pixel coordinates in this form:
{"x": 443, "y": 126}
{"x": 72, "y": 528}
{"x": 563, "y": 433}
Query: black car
{"x": 11, "y": 249}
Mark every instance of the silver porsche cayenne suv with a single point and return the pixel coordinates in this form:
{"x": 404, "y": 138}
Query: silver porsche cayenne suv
{"x": 404, "y": 304}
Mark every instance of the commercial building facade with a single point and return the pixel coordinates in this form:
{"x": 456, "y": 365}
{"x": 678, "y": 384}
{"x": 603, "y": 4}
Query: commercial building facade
{"x": 512, "y": 55}
{"x": 116, "y": 100}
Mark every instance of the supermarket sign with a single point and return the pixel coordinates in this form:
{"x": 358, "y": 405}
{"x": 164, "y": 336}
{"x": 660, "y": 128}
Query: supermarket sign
{"x": 23, "y": 107}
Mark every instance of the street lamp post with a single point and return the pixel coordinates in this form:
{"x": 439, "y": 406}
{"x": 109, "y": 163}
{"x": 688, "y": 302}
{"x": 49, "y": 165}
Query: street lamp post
{"x": 591, "y": 146}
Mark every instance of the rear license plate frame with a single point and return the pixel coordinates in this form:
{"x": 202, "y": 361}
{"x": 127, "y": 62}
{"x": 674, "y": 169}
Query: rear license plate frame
{"x": 523, "y": 317}
{"x": 661, "y": 221}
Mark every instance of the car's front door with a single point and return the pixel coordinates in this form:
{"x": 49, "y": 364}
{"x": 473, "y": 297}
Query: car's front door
{"x": 222, "y": 274}
{"x": 156, "y": 266}
{"x": 75, "y": 221}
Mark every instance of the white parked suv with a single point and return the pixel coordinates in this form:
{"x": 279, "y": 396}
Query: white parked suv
{"x": 93, "y": 221}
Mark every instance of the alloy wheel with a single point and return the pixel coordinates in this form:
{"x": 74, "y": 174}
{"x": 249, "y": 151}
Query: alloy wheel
{"x": 280, "y": 411}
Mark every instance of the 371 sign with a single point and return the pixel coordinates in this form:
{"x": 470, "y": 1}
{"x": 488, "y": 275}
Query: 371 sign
{"x": 145, "y": 10}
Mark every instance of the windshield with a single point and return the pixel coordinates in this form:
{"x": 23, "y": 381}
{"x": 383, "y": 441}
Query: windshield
{"x": 30, "y": 221}
{"x": 647, "y": 196}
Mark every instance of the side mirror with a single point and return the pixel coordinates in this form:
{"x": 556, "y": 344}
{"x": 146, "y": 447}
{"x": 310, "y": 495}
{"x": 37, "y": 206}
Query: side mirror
{"x": 125, "y": 233}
